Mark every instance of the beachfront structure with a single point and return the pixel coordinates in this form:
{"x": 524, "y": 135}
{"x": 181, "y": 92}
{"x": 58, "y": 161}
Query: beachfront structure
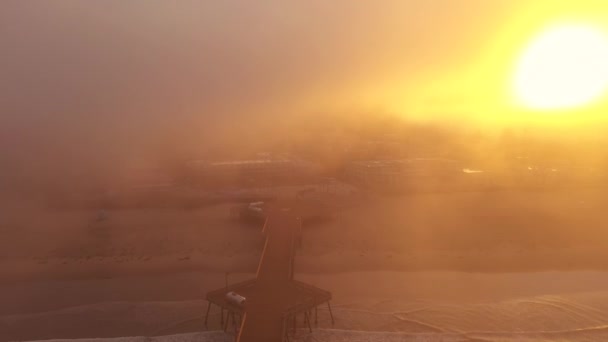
{"x": 401, "y": 174}
{"x": 254, "y": 172}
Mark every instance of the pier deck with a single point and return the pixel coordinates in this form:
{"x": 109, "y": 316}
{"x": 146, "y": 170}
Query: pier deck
{"x": 273, "y": 297}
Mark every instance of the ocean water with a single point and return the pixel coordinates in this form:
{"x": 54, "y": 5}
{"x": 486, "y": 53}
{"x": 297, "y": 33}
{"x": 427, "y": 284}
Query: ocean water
{"x": 569, "y": 317}
{"x": 572, "y": 317}
{"x": 540, "y": 307}
{"x": 336, "y": 335}
{"x": 599, "y": 334}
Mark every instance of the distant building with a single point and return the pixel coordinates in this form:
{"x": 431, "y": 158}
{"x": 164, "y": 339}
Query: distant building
{"x": 145, "y": 178}
{"x": 254, "y": 172}
{"x": 380, "y": 173}
{"x": 403, "y": 174}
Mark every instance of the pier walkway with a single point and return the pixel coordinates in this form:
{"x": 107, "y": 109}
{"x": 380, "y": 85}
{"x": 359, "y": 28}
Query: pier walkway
{"x": 273, "y": 298}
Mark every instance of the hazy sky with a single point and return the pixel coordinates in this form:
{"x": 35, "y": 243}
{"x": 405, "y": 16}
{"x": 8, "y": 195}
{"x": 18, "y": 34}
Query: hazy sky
{"x": 82, "y": 76}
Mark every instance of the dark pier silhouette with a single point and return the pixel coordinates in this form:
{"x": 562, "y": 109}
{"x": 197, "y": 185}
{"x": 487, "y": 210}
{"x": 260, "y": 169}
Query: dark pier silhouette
{"x": 274, "y": 298}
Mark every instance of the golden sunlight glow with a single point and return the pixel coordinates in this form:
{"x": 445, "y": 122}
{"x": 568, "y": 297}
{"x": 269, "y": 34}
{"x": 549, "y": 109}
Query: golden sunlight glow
{"x": 565, "y": 67}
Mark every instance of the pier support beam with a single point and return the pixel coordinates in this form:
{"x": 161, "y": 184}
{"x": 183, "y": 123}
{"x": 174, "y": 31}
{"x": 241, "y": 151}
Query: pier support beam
{"x": 207, "y": 314}
{"x": 331, "y": 313}
{"x": 307, "y": 319}
{"x": 227, "y": 321}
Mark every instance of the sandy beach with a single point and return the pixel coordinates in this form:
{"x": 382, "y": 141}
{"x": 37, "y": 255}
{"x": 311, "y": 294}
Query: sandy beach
{"x": 145, "y": 272}
{"x": 496, "y": 231}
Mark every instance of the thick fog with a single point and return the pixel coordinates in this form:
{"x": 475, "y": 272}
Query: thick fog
{"x": 89, "y": 85}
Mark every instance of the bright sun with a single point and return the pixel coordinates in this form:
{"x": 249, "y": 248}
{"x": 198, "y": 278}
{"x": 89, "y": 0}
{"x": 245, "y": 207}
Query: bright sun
{"x": 563, "y": 68}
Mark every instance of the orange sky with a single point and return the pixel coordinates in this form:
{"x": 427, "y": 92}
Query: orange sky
{"x": 138, "y": 70}
{"x": 479, "y": 86}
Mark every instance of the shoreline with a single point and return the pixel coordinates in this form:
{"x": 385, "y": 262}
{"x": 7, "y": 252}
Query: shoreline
{"x": 413, "y": 302}
{"x": 491, "y": 262}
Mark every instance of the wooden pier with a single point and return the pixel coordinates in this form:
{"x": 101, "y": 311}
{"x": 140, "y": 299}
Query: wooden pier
{"x": 273, "y": 299}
